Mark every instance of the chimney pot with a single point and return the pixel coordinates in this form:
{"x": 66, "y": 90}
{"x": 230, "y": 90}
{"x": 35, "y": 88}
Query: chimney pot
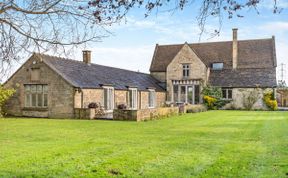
{"x": 235, "y": 48}
{"x": 86, "y": 56}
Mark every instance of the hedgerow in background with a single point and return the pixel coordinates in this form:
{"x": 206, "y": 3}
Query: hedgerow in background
{"x": 5, "y": 94}
{"x": 270, "y": 101}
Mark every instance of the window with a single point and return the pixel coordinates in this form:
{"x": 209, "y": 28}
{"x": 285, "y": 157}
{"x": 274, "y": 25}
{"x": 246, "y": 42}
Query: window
{"x": 133, "y": 98}
{"x": 152, "y": 98}
{"x": 175, "y": 94}
{"x": 227, "y": 93}
{"x": 36, "y": 95}
{"x": 186, "y": 70}
{"x": 109, "y": 98}
{"x": 217, "y": 66}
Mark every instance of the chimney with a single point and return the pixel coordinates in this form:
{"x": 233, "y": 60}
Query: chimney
{"x": 86, "y": 56}
{"x": 235, "y": 48}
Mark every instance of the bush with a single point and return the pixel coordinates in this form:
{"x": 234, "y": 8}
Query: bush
{"x": 213, "y": 97}
{"x": 5, "y": 94}
{"x": 93, "y": 105}
{"x": 214, "y": 92}
{"x": 210, "y": 102}
{"x": 250, "y": 99}
{"x": 220, "y": 103}
{"x": 121, "y": 106}
{"x": 195, "y": 108}
{"x": 270, "y": 101}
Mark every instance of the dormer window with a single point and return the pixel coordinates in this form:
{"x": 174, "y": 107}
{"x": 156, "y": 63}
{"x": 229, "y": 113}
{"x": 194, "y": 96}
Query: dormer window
{"x": 217, "y": 66}
{"x": 186, "y": 70}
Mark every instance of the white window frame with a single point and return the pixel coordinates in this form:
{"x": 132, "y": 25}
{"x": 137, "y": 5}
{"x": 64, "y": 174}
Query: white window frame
{"x": 151, "y": 98}
{"x": 226, "y": 97}
{"x": 43, "y": 93}
{"x": 133, "y": 102}
{"x": 109, "y": 103}
{"x": 185, "y": 70}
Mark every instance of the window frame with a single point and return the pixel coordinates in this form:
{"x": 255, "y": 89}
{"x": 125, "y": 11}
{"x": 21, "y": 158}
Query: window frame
{"x": 40, "y": 95}
{"x": 185, "y": 70}
{"x": 109, "y": 102}
{"x": 133, "y": 98}
{"x": 151, "y": 98}
{"x": 226, "y": 90}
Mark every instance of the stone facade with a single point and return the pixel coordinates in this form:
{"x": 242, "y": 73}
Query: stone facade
{"x": 239, "y": 95}
{"x": 60, "y": 93}
{"x": 174, "y": 70}
{"x": 89, "y": 96}
{"x": 63, "y": 98}
{"x": 120, "y": 97}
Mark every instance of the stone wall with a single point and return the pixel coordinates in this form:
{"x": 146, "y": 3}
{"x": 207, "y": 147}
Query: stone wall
{"x": 60, "y": 92}
{"x": 238, "y": 95}
{"x": 120, "y": 97}
{"x": 144, "y": 114}
{"x": 194, "y": 108}
{"x": 89, "y": 96}
{"x": 186, "y": 55}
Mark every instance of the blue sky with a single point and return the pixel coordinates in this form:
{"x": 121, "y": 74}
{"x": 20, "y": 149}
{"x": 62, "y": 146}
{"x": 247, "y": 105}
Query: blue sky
{"x": 132, "y": 44}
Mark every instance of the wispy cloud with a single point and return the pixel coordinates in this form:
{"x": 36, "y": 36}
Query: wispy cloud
{"x": 131, "y": 58}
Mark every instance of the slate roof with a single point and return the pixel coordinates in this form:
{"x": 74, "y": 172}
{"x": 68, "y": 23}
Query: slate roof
{"x": 82, "y": 75}
{"x": 252, "y": 54}
{"x": 248, "y": 78}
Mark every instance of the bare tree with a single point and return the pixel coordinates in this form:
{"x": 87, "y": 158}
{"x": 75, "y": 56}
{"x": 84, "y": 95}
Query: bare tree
{"x": 43, "y": 25}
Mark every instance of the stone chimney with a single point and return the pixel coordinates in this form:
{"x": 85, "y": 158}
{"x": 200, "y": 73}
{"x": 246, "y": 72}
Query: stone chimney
{"x": 86, "y": 56}
{"x": 235, "y": 48}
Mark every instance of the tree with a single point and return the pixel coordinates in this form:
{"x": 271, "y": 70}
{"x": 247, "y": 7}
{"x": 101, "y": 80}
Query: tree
{"x": 43, "y": 25}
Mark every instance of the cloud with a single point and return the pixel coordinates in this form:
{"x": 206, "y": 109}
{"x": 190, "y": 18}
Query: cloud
{"x": 279, "y": 26}
{"x": 131, "y": 58}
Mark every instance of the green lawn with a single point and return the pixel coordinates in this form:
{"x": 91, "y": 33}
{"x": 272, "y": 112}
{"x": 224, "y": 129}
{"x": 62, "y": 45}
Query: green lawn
{"x": 210, "y": 144}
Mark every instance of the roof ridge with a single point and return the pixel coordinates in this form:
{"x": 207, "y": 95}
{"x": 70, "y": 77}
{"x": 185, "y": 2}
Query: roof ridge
{"x": 74, "y": 60}
{"x": 179, "y": 44}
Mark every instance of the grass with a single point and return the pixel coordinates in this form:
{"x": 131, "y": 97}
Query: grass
{"x": 211, "y": 144}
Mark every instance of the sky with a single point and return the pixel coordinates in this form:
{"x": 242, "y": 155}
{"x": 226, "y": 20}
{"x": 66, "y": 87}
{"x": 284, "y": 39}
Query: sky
{"x": 131, "y": 44}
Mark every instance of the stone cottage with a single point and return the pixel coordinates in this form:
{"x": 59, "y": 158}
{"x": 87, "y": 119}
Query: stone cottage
{"x": 48, "y": 86}
{"x": 238, "y": 67}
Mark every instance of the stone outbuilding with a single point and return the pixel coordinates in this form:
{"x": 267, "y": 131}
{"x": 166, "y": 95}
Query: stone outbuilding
{"x": 48, "y": 86}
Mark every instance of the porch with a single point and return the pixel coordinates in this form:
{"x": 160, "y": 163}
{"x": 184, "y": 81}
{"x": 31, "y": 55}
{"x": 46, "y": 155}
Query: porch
{"x": 186, "y": 91}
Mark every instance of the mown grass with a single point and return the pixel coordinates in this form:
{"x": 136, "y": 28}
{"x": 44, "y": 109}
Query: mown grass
{"x": 211, "y": 144}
